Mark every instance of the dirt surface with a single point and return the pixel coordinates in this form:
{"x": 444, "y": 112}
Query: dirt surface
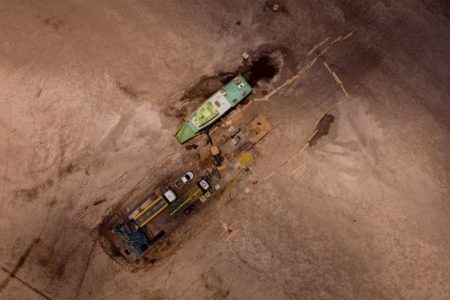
{"x": 89, "y": 95}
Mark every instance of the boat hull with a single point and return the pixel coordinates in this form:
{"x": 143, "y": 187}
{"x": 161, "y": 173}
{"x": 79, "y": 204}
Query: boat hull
{"x": 213, "y": 108}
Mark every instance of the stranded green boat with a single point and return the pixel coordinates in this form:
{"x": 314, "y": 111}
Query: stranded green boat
{"x": 213, "y": 108}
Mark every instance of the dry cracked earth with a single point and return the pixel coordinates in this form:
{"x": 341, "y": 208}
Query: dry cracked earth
{"x": 91, "y": 93}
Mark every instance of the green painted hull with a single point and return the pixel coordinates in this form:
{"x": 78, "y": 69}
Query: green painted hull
{"x": 213, "y": 108}
{"x": 186, "y": 132}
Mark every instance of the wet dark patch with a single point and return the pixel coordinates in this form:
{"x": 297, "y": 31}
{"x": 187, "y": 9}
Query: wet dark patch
{"x": 98, "y": 202}
{"x": 67, "y": 170}
{"x": 54, "y": 262}
{"x": 358, "y": 12}
{"x": 35, "y": 191}
{"x": 149, "y": 260}
{"x": 39, "y": 92}
{"x": 44, "y": 261}
{"x": 52, "y": 202}
{"x": 322, "y": 128}
{"x": 262, "y": 68}
{"x": 365, "y": 60}
{"x": 127, "y": 90}
{"x": 191, "y": 147}
{"x": 60, "y": 270}
{"x": 214, "y": 283}
{"x": 437, "y": 7}
{"x": 54, "y": 22}
{"x": 95, "y": 203}
{"x": 130, "y": 91}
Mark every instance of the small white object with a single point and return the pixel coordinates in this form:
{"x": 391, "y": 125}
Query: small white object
{"x": 204, "y": 184}
{"x": 184, "y": 179}
{"x": 235, "y": 140}
{"x": 170, "y": 196}
{"x": 245, "y": 55}
{"x": 189, "y": 175}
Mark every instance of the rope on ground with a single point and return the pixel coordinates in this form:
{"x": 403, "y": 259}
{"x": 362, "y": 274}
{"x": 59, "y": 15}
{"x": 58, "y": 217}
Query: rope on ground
{"x": 317, "y": 46}
{"x": 336, "y": 105}
{"x": 301, "y": 167}
{"x": 284, "y": 163}
{"x": 336, "y": 79}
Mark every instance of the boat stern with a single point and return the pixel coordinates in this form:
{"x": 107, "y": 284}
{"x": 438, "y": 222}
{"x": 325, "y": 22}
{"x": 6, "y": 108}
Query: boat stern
{"x": 237, "y": 90}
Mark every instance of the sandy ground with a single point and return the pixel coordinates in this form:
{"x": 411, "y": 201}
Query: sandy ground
{"x": 85, "y": 92}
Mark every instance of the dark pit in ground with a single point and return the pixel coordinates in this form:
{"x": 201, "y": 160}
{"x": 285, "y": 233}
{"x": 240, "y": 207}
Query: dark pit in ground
{"x": 322, "y": 128}
{"x": 263, "y": 68}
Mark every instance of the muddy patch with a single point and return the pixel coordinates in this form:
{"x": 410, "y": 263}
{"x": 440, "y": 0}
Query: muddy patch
{"x": 264, "y": 68}
{"x": 67, "y": 170}
{"x": 95, "y": 203}
{"x": 52, "y": 202}
{"x": 214, "y": 284}
{"x": 322, "y": 129}
{"x": 207, "y": 85}
{"x": 55, "y": 266}
{"x": 54, "y": 22}
{"x": 359, "y": 12}
{"x": 98, "y": 202}
{"x": 365, "y": 61}
{"x": 32, "y": 193}
{"x": 130, "y": 91}
{"x": 437, "y": 7}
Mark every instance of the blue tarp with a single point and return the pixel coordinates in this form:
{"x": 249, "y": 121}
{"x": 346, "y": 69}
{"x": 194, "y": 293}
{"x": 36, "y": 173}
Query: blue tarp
{"x": 136, "y": 242}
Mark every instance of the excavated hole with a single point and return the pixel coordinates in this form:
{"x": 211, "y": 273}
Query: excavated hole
{"x": 263, "y": 68}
